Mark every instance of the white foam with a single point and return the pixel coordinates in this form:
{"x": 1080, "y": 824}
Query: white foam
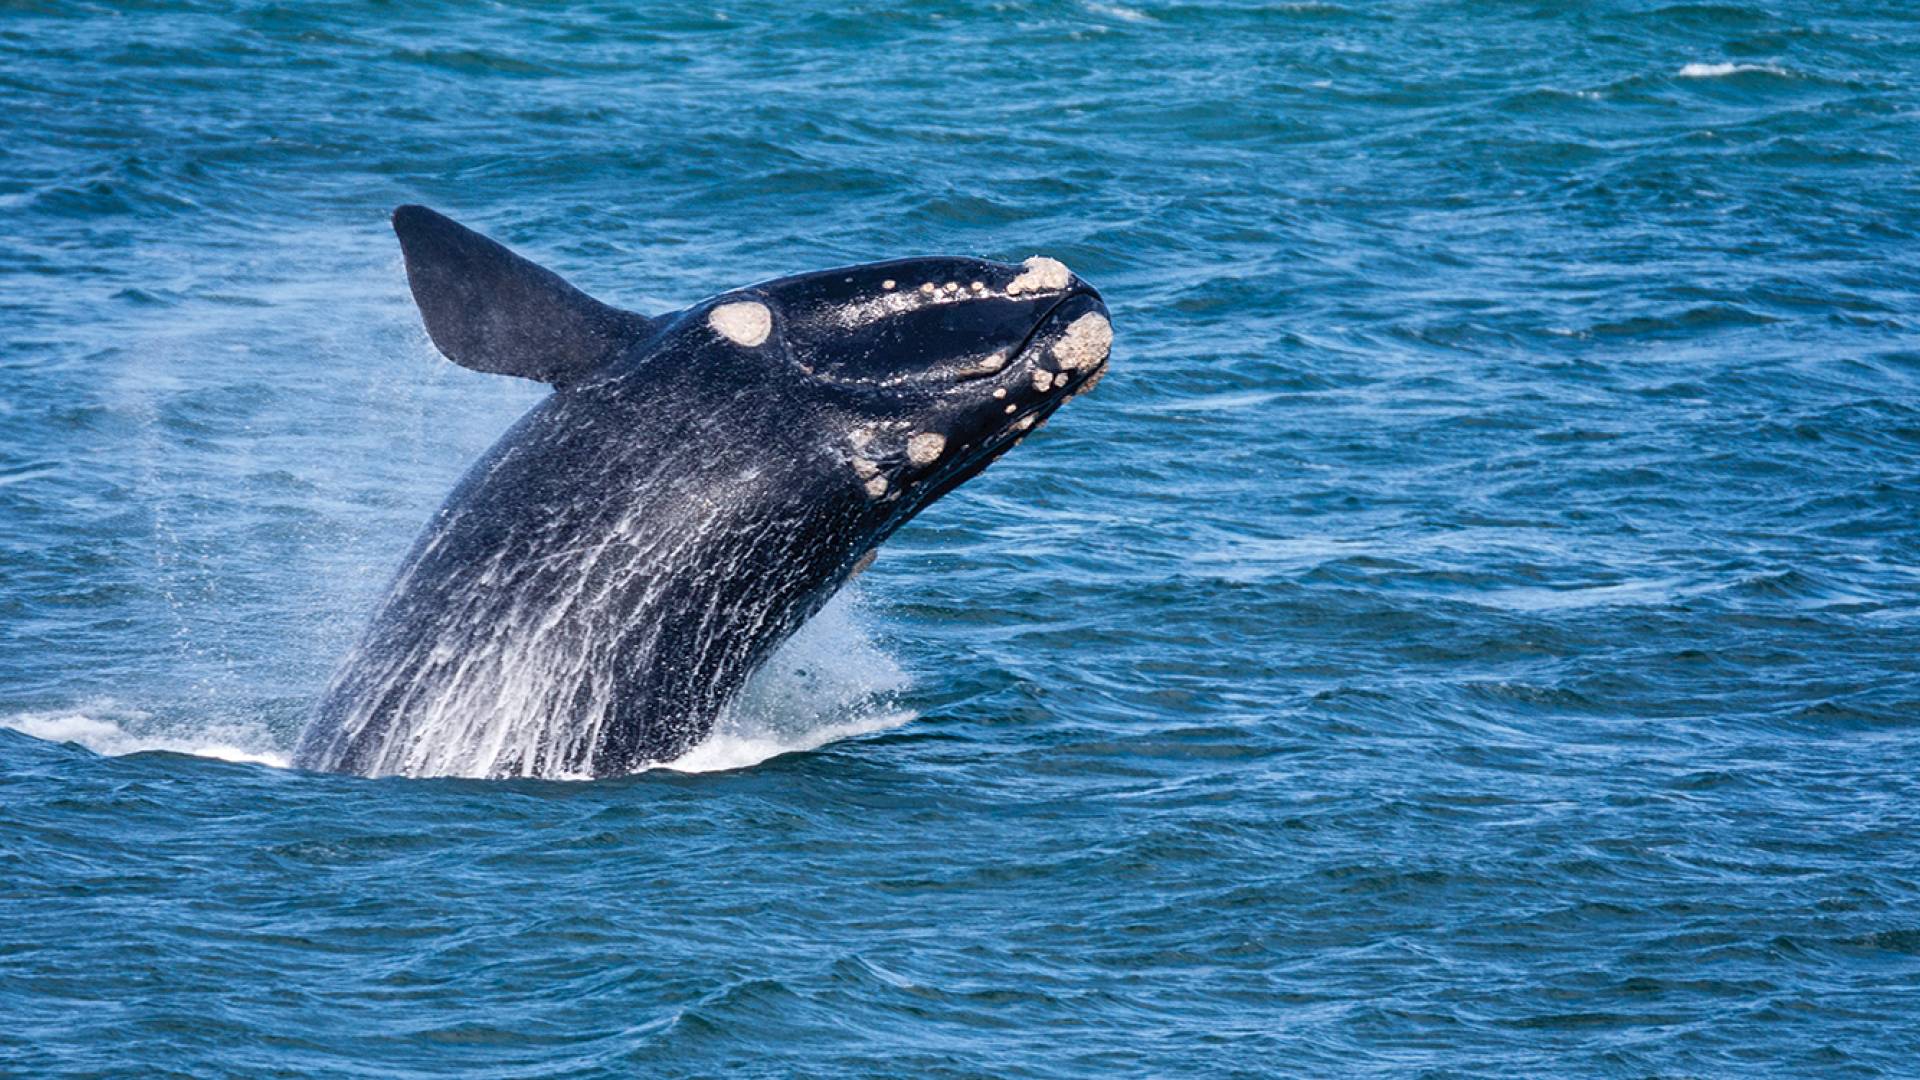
{"x": 726, "y": 750}
{"x": 1117, "y": 11}
{"x": 1715, "y": 71}
{"x": 93, "y": 730}
{"x": 829, "y": 682}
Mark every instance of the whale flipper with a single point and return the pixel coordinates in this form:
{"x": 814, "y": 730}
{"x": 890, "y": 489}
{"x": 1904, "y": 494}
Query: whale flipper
{"x": 491, "y": 310}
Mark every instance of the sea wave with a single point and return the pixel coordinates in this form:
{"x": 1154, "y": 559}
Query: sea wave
{"x": 1722, "y": 69}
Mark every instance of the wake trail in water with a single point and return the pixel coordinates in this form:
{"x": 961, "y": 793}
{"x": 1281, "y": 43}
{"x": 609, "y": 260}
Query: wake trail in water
{"x": 830, "y": 681}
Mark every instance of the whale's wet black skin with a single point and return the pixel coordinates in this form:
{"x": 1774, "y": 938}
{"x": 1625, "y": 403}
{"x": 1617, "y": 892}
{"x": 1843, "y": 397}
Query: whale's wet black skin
{"x": 605, "y": 578}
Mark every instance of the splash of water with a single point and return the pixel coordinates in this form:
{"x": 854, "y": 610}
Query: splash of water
{"x": 830, "y": 681}
{"x": 112, "y": 729}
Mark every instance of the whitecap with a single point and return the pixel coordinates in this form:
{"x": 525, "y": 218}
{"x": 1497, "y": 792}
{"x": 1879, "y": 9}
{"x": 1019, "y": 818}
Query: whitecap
{"x": 1117, "y": 11}
{"x": 736, "y": 749}
{"x": 1715, "y": 71}
{"x": 830, "y": 681}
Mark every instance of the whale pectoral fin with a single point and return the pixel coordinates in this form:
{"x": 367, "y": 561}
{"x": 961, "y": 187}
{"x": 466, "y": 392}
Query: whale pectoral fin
{"x": 491, "y": 310}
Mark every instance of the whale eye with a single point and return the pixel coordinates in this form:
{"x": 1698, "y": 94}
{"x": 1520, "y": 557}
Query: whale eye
{"x": 743, "y": 322}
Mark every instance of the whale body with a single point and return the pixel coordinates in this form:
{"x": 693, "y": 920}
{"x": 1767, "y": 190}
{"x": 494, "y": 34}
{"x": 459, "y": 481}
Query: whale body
{"x": 604, "y": 579}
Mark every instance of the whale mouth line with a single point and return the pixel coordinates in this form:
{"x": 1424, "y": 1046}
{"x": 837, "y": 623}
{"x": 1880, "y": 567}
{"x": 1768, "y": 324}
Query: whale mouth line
{"x": 1025, "y": 357}
{"x": 1024, "y": 349}
{"x": 1016, "y": 425}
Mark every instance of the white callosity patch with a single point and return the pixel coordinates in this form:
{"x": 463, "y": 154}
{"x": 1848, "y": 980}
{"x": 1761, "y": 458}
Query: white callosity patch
{"x": 1041, "y": 274}
{"x": 1092, "y": 381}
{"x": 986, "y": 366}
{"x": 744, "y": 322}
{"x": 925, "y": 448}
{"x": 1086, "y": 342}
{"x": 876, "y": 487}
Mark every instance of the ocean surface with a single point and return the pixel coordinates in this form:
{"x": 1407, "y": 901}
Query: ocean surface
{"x": 1474, "y": 632}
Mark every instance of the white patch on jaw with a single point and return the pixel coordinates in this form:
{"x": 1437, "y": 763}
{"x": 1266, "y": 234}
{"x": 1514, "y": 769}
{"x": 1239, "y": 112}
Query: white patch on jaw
{"x": 1086, "y": 342}
{"x": 1041, "y": 275}
{"x": 929, "y": 288}
{"x": 1000, "y": 393}
{"x": 1042, "y": 379}
{"x": 876, "y": 487}
{"x": 1093, "y": 380}
{"x": 987, "y": 366}
{"x": 924, "y": 448}
{"x": 1011, "y": 409}
{"x": 865, "y": 469}
{"x": 1023, "y": 423}
{"x": 888, "y": 284}
{"x": 744, "y": 322}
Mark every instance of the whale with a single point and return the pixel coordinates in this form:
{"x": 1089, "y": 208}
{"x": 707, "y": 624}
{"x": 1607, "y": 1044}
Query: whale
{"x": 697, "y": 484}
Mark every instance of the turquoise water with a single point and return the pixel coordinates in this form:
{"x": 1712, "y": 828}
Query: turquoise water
{"x": 1471, "y": 633}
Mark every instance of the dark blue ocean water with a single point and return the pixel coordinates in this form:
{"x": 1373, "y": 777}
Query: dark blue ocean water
{"x": 1472, "y": 632}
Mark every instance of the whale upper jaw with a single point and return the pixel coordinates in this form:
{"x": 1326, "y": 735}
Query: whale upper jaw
{"x": 1065, "y": 354}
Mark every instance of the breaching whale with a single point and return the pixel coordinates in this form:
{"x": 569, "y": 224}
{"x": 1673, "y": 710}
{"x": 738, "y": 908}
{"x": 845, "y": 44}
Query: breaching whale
{"x": 601, "y": 582}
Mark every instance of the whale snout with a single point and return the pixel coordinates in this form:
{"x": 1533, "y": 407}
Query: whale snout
{"x": 1064, "y": 355}
{"x": 1078, "y": 339}
{"x": 997, "y": 400}
{"x": 941, "y": 364}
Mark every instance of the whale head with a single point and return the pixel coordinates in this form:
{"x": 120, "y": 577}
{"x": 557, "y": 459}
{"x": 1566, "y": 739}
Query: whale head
{"x": 928, "y": 369}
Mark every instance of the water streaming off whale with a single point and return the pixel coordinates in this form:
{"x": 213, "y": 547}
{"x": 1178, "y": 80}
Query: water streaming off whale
{"x": 520, "y": 679}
